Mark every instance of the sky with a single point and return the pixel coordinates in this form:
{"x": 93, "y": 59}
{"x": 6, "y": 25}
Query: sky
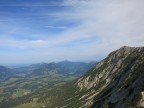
{"x": 33, "y": 31}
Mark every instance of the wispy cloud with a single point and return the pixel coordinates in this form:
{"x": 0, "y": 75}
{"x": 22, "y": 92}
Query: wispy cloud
{"x": 57, "y": 27}
{"x": 101, "y": 26}
{"x": 116, "y": 23}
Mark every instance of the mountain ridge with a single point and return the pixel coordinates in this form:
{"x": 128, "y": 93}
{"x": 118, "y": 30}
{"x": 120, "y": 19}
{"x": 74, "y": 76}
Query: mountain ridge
{"x": 124, "y": 58}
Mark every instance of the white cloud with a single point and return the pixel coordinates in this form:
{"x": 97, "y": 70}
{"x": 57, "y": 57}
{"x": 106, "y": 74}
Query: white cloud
{"x": 110, "y": 24}
{"x": 116, "y": 23}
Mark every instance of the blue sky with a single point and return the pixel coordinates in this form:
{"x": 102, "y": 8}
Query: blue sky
{"x": 34, "y": 31}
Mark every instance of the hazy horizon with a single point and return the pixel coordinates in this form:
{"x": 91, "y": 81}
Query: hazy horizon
{"x": 34, "y": 31}
{"x": 32, "y": 63}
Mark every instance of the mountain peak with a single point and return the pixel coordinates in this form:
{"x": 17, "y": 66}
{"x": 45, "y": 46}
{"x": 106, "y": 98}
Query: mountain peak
{"x": 125, "y": 51}
{"x": 130, "y": 48}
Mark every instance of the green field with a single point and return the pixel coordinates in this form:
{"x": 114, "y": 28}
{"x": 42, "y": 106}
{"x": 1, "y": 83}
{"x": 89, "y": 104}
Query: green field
{"x": 22, "y": 86}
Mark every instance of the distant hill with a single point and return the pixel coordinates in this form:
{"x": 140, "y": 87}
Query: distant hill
{"x": 26, "y": 69}
{"x": 5, "y": 73}
{"x": 64, "y": 67}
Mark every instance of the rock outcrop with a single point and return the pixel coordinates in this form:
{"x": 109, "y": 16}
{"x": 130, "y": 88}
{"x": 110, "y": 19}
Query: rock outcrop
{"x": 119, "y": 80}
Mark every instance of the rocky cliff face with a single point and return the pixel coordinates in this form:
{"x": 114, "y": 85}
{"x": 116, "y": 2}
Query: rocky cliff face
{"x": 117, "y": 81}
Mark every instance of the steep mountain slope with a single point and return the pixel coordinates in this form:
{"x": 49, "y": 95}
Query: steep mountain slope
{"x": 118, "y": 79}
{"x": 115, "y": 82}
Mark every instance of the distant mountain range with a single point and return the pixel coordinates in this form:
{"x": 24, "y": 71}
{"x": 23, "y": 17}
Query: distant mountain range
{"x": 64, "y": 67}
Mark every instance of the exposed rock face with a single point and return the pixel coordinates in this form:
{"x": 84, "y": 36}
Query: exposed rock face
{"x": 119, "y": 80}
{"x": 141, "y": 102}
